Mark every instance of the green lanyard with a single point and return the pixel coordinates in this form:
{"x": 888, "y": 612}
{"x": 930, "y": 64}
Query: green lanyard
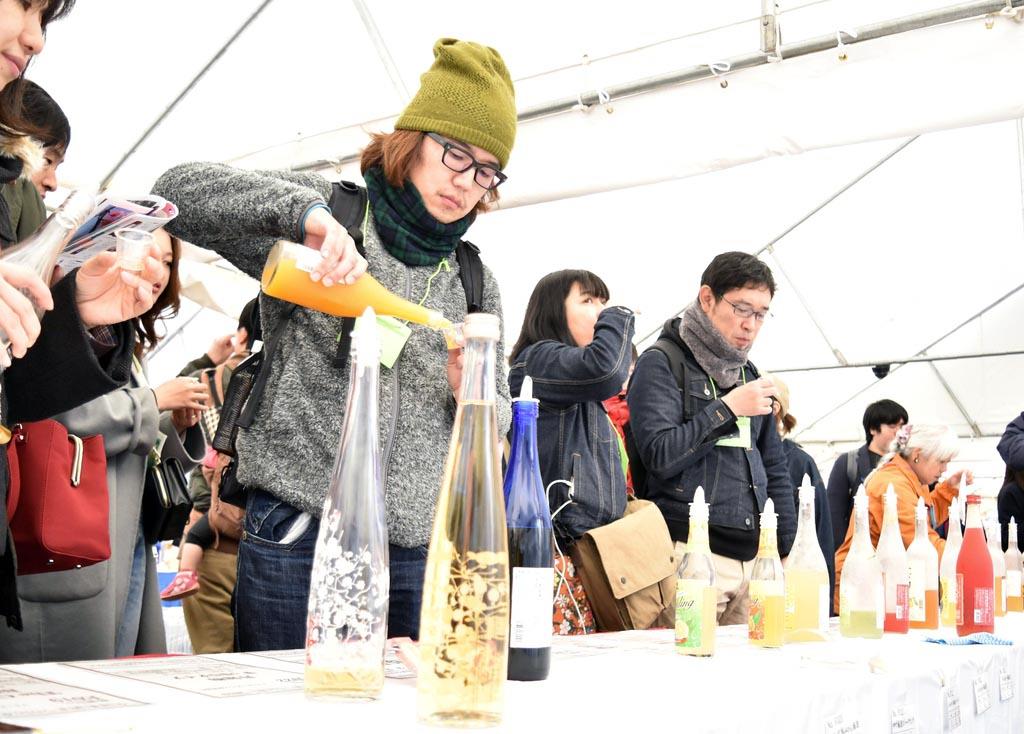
{"x": 714, "y": 390}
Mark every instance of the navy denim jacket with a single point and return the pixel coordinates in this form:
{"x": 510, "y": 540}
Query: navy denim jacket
{"x": 681, "y": 455}
{"x": 575, "y": 438}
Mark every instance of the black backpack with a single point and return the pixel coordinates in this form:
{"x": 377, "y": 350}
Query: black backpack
{"x": 677, "y": 362}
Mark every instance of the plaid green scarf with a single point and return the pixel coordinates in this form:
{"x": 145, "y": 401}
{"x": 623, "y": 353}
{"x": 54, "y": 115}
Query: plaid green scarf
{"x": 407, "y": 229}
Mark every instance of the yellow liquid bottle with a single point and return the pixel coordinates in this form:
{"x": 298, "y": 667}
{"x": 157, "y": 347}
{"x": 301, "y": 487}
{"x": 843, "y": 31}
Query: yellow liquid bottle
{"x": 696, "y": 594}
{"x": 286, "y": 276}
{"x": 861, "y": 593}
{"x": 465, "y": 614}
{"x": 1014, "y": 571}
{"x": 947, "y": 569}
{"x": 995, "y": 549}
{"x": 923, "y": 571}
{"x": 807, "y": 591}
{"x": 766, "y": 618}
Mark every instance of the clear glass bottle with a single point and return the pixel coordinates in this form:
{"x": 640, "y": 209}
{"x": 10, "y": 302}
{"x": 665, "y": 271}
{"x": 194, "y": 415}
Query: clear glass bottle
{"x": 465, "y": 616}
{"x": 346, "y": 630}
{"x": 995, "y": 548}
{"x": 766, "y": 618}
{"x": 976, "y": 600}
{"x": 39, "y": 252}
{"x": 861, "y": 591}
{"x": 947, "y": 567}
{"x": 1014, "y": 570}
{"x": 696, "y": 594}
{"x": 893, "y": 556}
{"x": 923, "y": 572}
{"x": 529, "y": 546}
{"x": 807, "y": 591}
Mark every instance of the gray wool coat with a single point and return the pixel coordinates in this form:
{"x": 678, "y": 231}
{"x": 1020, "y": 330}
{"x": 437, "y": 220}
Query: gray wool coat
{"x": 75, "y": 615}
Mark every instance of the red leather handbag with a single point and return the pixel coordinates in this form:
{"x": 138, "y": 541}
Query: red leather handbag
{"x": 58, "y": 503}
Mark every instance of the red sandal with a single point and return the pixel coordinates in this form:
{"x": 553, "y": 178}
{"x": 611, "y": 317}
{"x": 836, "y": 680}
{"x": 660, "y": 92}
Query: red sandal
{"x": 184, "y": 583}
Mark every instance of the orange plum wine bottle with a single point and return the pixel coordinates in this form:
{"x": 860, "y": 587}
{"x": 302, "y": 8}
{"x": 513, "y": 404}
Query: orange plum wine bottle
{"x": 286, "y": 276}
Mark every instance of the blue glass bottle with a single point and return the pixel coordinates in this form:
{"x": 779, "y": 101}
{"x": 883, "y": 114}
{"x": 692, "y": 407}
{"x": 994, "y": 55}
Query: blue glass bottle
{"x": 529, "y": 547}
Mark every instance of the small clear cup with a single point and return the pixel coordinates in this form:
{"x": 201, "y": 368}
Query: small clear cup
{"x": 132, "y": 246}
{"x": 454, "y": 336}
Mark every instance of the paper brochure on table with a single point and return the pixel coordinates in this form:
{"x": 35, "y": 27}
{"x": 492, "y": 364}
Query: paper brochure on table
{"x": 23, "y": 695}
{"x": 149, "y": 212}
{"x": 211, "y": 677}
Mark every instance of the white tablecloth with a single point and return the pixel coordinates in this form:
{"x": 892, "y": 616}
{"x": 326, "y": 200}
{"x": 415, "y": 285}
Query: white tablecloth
{"x": 630, "y": 681}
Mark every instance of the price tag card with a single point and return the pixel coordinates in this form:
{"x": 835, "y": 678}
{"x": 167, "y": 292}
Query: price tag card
{"x": 1005, "y": 686}
{"x": 953, "y": 719}
{"x": 903, "y": 720}
{"x": 840, "y": 724}
{"x": 982, "y": 701}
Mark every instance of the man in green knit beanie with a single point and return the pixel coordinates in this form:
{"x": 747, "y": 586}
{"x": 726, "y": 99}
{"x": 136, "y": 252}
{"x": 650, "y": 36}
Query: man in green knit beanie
{"x": 426, "y": 181}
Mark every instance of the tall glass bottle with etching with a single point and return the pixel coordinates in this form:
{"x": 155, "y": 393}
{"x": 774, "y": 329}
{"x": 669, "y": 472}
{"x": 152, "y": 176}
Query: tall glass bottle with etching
{"x": 346, "y": 629}
{"x": 465, "y": 617}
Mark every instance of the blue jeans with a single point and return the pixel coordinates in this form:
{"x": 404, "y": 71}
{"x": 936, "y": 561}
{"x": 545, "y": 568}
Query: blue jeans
{"x": 272, "y": 591}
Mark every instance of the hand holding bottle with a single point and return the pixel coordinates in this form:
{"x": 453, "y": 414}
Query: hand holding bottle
{"x": 754, "y": 398}
{"x": 17, "y": 313}
{"x": 341, "y": 262}
{"x": 106, "y": 294}
{"x": 956, "y": 478}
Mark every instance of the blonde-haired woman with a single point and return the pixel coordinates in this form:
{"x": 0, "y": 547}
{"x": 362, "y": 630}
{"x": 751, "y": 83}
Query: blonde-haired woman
{"x": 917, "y": 458}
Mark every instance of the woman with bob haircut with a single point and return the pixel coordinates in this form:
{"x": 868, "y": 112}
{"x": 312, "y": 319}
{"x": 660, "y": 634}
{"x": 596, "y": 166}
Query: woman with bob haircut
{"x": 917, "y": 458}
{"x": 577, "y": 350}
{"x": 426, "y": 182}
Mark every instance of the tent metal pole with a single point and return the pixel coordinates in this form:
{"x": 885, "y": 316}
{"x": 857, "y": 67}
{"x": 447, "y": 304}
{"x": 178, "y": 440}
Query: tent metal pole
{"x": 868, "y": 32}
{"x": 184, "y": 92}
{"x": 769, "y": 26}
{"x": 956, "y": 401}
{"x": 908, "y": 360}
{"x": 171, "y": 337}
{"x": 382, "y": 50}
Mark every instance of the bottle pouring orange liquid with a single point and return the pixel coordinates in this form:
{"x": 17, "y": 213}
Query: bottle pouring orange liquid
{"x": 286, "y": 276}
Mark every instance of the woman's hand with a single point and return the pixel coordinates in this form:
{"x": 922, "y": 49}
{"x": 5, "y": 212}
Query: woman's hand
{"x": 222, "y": 348}
{"x": 342, "y": 262}
{"x": 181, "y": 393}
{"x": 184, "y": 418}
{"x": 17, "y": 311}
{"x": 106, "y": 294}
{"x": 956, "y": 478}
{"x": 454, "y": 370}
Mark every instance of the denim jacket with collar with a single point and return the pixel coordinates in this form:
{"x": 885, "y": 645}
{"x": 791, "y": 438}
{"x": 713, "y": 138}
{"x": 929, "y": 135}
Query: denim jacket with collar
{"x": 680, "y": 455}
{"x": 576, "y": 440}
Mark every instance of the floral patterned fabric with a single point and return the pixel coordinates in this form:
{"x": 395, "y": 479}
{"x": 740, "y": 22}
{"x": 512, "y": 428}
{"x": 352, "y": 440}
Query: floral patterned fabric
{"x": 572, "y": 613}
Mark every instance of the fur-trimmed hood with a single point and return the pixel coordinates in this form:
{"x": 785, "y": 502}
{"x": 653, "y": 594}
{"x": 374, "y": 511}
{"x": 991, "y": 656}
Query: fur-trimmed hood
{"x": 26, "y": 149}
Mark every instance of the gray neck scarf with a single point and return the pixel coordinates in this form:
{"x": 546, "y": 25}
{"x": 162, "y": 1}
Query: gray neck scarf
{"x": 713, "y": 353}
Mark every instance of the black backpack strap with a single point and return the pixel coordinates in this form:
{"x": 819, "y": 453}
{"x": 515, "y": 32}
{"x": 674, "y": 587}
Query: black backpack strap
{"x": 348, "y": 207}
{"x": 248, "y": 413}
{"x": 677, "y": 363}
{"x": 851, "y": 471}
{"x": 471, "y": 273}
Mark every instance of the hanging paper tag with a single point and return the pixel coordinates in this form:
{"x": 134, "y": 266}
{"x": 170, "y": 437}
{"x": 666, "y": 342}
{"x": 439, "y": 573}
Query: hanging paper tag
{"x": 393, "y": 336}
{"x": 982, "y": 702}
{"x": 1005, "y": 686}
{"x": 740, "y": 437}
{"x": 953, "y": 721}
{"x": 839, "y": 724}
{"x": 903, "y": 720}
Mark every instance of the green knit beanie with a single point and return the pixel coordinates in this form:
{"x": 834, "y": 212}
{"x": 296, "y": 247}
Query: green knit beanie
{"x": 466, "y": 95}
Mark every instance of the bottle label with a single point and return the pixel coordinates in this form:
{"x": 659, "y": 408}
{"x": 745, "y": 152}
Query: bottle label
{"x": 948, "y": 590}
{"x": 306, "y": 258}
{"x": 532, "y": 590}
{"x": 760, "y": 592}
{"x": 689, "y": 612}
{"x": 902, "y": 600}
{"x": 960, "y": 599}
{"x": 916, "y": 603}
{"x": 984, "y": 605}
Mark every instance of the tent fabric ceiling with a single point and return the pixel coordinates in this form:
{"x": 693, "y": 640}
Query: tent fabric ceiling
{"x": 929, "y": 239}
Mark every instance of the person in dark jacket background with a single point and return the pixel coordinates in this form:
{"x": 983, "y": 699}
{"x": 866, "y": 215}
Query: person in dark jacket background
{"x": 881, "y": 421}
{"x": 801, "y": 468}
{"x": 1010, "y": 502}
{"x": 717, "y": 432}
{"x": 577, "y": 351}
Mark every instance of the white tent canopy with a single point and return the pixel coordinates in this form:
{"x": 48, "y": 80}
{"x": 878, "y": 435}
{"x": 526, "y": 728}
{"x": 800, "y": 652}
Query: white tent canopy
{"x": 922, "y": 254}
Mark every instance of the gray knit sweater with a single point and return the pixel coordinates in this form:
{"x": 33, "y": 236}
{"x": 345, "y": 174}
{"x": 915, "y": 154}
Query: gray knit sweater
{"x": 289, "y": 451}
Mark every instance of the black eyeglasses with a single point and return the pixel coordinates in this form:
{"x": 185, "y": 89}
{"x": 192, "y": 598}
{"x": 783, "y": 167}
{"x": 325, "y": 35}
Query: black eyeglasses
{"x": 460, "y": 160}
{"x": 745, "y": 312}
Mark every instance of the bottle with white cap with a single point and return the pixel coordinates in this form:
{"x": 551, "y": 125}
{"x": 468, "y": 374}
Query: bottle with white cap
{"x": 807, "y": 589}
{"x": 1014, "y": 571}
{"x": 893, "y": 556}
{"x": 861, "y": 593}
{"x": 696, "y": 594}
{"x": 948, "y": 591}
{"x": 923, "y": 572}
{"x": 767, "y": 613}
